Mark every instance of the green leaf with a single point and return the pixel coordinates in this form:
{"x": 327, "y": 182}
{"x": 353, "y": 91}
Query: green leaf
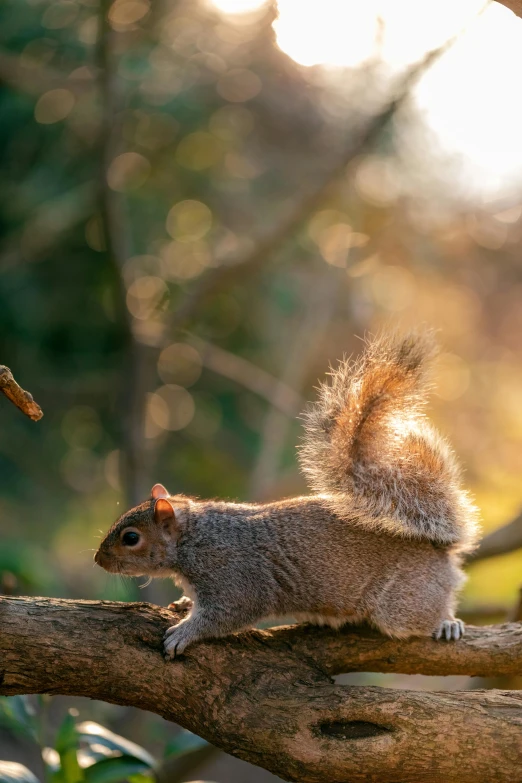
{"x": 89, "y": 756}
{"x": 67, "y": 744}
{"x": 67, "y": 736}
{"x": 94, "y": 734}
{"x": 11, "y": 772}
{"x": 115, "y": 769}
{"x": 51, "y": 760}
{"x": 18, "y": 715}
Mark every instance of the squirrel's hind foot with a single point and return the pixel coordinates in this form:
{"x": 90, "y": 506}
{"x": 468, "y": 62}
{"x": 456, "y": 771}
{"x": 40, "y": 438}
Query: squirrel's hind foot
{"x": 183, "y": 604}
{"x": 450, "y": 630}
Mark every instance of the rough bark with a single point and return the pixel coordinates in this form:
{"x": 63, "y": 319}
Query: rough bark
{"x": 267, "y": 696}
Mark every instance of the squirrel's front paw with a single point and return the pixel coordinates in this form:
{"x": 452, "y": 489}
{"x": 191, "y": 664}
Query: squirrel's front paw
{"x": 177, "y": 638}
{"x": 450, "y": 629}
{"x": 183, "y": 604}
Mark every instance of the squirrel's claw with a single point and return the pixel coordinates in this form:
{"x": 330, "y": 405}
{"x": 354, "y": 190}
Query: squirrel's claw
{"x": 171, "y": 655}
{"x": 170, "y": 643}
{"x": 177, "y": 638}
{"x": 450, "y": 630}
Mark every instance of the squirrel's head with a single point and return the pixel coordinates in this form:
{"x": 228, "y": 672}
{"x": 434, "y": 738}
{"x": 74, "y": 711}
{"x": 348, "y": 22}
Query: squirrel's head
{"x": 143, "y": 540}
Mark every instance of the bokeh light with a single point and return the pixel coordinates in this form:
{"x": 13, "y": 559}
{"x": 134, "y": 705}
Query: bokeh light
{"x": 145, "y": 295}
{"x": 345, "y": 34}
{"x": 59, "y": 15}
{"x": 185, "y": 260}
{"x": 171, "y": 408}
{"x": 327, "y": 33}
{"x": 199, "y": 151}
{"x": 179, "y": 364}
{"x": 237, "y": 6}
{"x": 54, "y": 106}
{"x": 128, "y": 171}
{"x": 189, "y": 221}
{"x": 239, "y": 85}
{"x": 124, "y": 13}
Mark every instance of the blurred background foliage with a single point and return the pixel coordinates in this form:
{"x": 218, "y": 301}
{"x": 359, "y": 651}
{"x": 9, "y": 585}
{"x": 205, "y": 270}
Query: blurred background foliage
{"x": 201, "y": 208}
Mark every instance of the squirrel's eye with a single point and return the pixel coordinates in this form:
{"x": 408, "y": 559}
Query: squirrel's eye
{"x": 130, "y": 538}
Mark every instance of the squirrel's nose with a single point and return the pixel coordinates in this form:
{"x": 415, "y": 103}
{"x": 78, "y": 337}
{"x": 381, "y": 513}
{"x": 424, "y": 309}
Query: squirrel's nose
{"x": 97, "y": 557}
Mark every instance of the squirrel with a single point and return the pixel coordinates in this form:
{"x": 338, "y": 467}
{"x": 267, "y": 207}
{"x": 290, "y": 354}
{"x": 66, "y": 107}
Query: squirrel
{"x": 380, "y": 540}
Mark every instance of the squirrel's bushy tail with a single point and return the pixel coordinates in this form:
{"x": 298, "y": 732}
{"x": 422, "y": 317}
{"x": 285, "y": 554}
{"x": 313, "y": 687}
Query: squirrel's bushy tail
{"x": 369, "y": 448}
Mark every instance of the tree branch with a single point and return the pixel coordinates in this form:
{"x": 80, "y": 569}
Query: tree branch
{"x": 248, "y": 375}
{"x": 505, "y": 539}
{"x": 22, "y": 399}
{"x": 47, "y": 224}
{"x": 266, "y": 696}
{"x": 495, "y": 650}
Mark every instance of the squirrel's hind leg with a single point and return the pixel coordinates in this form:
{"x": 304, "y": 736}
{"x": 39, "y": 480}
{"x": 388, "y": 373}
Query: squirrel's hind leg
{"x": 416, "y": 613}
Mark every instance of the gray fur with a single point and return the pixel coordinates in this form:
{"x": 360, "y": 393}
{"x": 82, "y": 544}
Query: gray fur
{"x": 380, "y": 543}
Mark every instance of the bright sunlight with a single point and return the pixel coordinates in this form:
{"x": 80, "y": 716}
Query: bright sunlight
{"x": 465, "y": 98}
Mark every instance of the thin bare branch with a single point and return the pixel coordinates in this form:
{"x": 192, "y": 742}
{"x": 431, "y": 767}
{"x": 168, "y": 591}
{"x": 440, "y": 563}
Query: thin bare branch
{"x": 501, "y": 541}
{"x": 46, "y": 226}
{"x": 22, "y": 399}
{"x": 248, "y": 375}
{"x": 482, "y": 612}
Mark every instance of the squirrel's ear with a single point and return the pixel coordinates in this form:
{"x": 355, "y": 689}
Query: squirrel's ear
{"x": 164, "y": 513}
{"x": 158, "y": 491}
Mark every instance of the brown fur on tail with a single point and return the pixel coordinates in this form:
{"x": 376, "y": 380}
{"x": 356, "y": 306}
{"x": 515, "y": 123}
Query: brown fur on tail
{"x": 370, "y": 450}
